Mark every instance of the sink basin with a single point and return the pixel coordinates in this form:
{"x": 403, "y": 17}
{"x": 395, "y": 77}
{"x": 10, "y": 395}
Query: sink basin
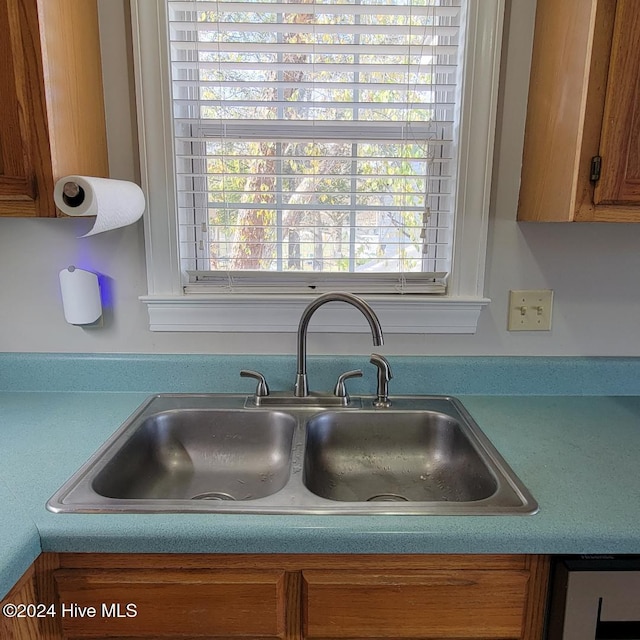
{"x": 215, "y": 453}
{"x": 201, "y": 454}
{"x": 411, "y": 456}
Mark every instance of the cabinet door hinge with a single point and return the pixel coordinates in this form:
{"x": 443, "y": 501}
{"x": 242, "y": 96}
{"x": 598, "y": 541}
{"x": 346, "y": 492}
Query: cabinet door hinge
{"x": 596, "y": 166}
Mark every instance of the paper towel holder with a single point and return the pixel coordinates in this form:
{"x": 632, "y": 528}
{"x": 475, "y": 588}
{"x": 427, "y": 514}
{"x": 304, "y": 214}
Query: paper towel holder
{"x": 81, "y": 300}
{"x": 114, "y": 203}
{"x": 72, "y": 194}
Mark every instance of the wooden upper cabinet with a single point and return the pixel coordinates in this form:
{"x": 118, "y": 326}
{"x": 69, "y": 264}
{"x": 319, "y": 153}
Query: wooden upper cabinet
{"x": 583, "y": 114}
{"x": 52, "y": 108}
{"x": 16, "y": 179}
{"x": 620, "y": 143}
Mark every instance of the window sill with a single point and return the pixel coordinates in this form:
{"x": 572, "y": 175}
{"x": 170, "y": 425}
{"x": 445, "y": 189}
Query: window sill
{"x": 281, "y": 314}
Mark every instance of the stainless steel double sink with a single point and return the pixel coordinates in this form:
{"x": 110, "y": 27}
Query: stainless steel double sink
{"x": 219, "y": 454}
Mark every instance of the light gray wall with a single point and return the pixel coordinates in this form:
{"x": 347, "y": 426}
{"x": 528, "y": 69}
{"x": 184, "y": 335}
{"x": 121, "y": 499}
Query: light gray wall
{"x": 593, "y": 269}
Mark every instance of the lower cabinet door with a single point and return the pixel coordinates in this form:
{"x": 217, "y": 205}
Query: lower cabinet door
{"x": 414, "y": 604}
{"x": 114, "y": 603}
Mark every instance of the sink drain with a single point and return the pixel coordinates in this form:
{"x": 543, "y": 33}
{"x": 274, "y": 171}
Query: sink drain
{"x": 387, "y": 497}
{"x": 213, "y": 495}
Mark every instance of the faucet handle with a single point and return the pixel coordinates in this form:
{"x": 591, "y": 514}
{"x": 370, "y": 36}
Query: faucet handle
{"x": 262, "y": 389}
{"x": 341, "y": 390}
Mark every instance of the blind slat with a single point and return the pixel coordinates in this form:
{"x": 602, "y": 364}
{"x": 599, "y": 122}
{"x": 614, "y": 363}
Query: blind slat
{"x": 360, "y": 67}
{"x": 310, "y": 129}
{"x": 186, "y": 7}
{"x": 275, "y": 29}
{"x": 280, "y": 85}
{"x": 182, "y": 47}
{"x": 249, "y": 282}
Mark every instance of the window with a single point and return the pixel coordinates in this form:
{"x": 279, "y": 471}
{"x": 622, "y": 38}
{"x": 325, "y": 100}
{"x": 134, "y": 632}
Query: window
{"x": 291, "y": 148}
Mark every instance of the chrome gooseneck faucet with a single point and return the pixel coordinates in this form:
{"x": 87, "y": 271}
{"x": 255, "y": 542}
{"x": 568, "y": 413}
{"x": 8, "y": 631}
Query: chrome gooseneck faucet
{"x": 301, "y": 389}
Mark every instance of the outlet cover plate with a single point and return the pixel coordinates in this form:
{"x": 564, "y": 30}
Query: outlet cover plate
{"x": 530, "y": 310}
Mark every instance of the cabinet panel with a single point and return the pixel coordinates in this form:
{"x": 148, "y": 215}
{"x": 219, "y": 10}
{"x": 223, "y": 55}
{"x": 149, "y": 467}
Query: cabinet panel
{"x": 21, "y": 628}
{"x": 553, "y": 127}
{"x": 174, "y": 604}
{"x": 416, "y": 604}
{"x": 620, "y": 143}
{"x": 16, "y": 179}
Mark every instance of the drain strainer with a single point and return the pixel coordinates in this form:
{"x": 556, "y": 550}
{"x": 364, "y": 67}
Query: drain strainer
{"x": 213, "y": 495}
{"x": 387, "y": 497}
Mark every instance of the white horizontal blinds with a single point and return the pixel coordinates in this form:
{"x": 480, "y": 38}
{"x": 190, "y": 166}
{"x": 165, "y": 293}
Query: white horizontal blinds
{"x": 315, "y": 138}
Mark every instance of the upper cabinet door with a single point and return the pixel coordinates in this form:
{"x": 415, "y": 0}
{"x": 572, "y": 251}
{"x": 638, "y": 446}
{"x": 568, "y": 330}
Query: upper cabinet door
{"x": 581, "y": 160}
{"x": 17, "y": 179}
{"x": 620, "y": 143}
{"x": 52, "y": 119}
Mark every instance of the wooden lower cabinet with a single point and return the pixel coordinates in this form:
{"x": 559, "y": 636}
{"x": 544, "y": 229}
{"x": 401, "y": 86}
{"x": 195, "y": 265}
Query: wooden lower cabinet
{"x": 288, "y": 597}
{"x": 440, "y": 604}
{"x": 173, "y": 603}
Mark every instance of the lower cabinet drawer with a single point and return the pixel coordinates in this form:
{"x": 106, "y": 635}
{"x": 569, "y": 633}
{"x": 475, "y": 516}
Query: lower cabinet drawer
{"x": 414, "y": 604}
{"x": 171, "y": 603}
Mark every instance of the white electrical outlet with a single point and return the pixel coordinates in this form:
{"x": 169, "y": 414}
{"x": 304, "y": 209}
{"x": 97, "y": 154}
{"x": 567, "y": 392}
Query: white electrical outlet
{"x": 530, "y": 310}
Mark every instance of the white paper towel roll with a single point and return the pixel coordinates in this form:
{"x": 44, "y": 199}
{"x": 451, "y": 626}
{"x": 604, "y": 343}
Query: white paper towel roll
{"x": 115, "y": 203}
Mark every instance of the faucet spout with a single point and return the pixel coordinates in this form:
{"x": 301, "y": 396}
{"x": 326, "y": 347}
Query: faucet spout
{"x": 301, "y": 389}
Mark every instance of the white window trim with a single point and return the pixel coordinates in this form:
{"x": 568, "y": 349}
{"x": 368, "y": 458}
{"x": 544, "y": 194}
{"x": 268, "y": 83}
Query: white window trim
{"x": 457, "y": 312}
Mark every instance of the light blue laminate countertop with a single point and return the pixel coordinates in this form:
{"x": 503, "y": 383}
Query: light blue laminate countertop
{"x": 577, "y": 454}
